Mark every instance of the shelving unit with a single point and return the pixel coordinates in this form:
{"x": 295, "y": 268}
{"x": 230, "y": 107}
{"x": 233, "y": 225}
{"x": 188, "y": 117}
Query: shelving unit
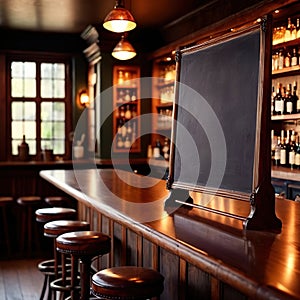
{"x": 163, "y": 97}
{"x": 286, "y": 75}
{"x": 126, "y": 109}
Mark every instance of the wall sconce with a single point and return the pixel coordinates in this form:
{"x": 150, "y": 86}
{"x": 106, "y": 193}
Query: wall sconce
{"x": 119, "y": 19}
{"x": 84, "y": 99}
{"x": 123, "y": 50}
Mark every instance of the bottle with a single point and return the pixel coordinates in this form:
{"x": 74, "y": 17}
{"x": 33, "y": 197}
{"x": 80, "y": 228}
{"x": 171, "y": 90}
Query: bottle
{"x": 298, "y": 28}
{"x": 272, "y": 100}
{"x": 166, "y": 149}
{"x": 277, "y": 152}
{"x": 289, "y": 105}
{"x": 23, "y": 150}
{"x": 287, "y": 59}
{"x": 297, "y": 154}
{"x": 278, "y": 101}
{"x": 280, "y": 60}
{"x": 287, "y": 148}
{"x": 288, "y": 31}
{"x": 157, "y": 149}
{"x": 128, "y": 113}
{"x": 295, "y": 98}
{"x": 282, "y": 150}
{"x": 292, "y": 150}
{"x": 294, "y": 59}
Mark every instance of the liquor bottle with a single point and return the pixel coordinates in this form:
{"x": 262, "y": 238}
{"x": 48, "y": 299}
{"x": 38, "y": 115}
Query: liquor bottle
{"x": 294, "y": 59}
{"x": 296, "y": 98}
{"x": 166, "y": 149}
{"x": 287, "y": 148}
{"x": 282, "y": 150}
{"x": 278, "y": 101}
{"x": 277, "y": 153}
{"x": 128, "y": 114}
{"x": 297, "y": 154}
{"x": 280, "y": 60}
{"x": 293, "y": 31}
{"x": 273, "y": 144}
{"x": 288, "y": 32}
{"x": 127, "y": 97}
{"x": 287, "y": 59}
{"x": 289, "y": 105}
{"x": 298, "y": 28}
{"x": 272, "y": 101}
{"x": 292, "y": 150}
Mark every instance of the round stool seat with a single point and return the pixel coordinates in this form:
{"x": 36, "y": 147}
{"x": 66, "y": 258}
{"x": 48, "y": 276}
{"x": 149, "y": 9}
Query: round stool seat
{"x": 54, "y": 213}
{"x": 127, "y": 282}
{"x": 90, "y": 243}
{"x": 83, "y": 246}
{"x": 58, "y": 227}
{"x": 29, "y": 200}
{"x": 57, "y": 201}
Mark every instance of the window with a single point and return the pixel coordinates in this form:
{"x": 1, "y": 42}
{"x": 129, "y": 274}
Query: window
{"x": 39, "y": 105}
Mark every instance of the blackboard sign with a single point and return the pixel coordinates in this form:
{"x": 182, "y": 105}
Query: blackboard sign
{"x": 219, "y": 116}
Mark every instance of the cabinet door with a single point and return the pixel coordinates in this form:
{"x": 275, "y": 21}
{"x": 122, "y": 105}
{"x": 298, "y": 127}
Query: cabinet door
{"x": 126, "y": 105}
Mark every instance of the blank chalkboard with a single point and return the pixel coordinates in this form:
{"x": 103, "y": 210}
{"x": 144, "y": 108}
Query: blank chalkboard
{"x": 215, "y": 122}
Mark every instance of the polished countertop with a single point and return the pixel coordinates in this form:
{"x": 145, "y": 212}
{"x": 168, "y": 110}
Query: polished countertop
{"x": 260, "y": 264}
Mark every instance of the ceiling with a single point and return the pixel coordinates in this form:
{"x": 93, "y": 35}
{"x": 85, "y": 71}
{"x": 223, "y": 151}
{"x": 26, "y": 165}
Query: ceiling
{"x": 73, "y": 16}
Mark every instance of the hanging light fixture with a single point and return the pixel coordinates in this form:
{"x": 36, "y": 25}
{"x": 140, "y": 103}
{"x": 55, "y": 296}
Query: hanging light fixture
{"x": 123, "y": 50}
{"x": 119, "y": 19}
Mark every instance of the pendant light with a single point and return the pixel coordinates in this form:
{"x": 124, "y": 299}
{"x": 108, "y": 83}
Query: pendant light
{"x": 123, "y": 50}
{"x": 119, "y": 19}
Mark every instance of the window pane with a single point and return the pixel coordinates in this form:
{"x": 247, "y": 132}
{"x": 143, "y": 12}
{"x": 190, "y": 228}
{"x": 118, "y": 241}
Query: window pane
{"x": 46, "y": 111}
{"x": 59, "y": 111}
{"x": 46, "y": 145}
{"x": 32, "y": 147}
{"x": 59, "y": 89}
{"x": 30, "y": 88}
{"x": 59, "y": 147}
{"x": 17, "y": 130}
{"x": 59, "y": 130}
{"x": 17, "y": 87}
{"x": 46, "y": 70}
{"x": 30, "y": 129}
{"x": 30, "y": 69}
{"x": 17, "y": 110}
{"x": 46, "y": 88}
{"x": 59, "y": 71}
{"x": 46, "y": 130}
{"x": 29, "y": 110}
{"x": 17, "y": 69}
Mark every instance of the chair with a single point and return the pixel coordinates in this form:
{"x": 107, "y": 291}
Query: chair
{"x": 28, "y": 204}
{"x": 53, "y": 229}
{"x": 83, "y": 246}
{"x": 127, "y": 282}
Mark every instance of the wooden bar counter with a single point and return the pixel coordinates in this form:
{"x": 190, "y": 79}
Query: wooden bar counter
{"x": 201, "y": 254}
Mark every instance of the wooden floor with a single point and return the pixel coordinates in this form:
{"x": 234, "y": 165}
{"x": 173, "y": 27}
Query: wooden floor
{"x": 20, "y": 279}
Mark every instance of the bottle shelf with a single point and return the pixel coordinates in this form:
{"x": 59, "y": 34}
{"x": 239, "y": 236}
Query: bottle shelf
{"x": 285, "y": 117}
{"x": 126, "y": 105}
{"x": 287, "y": 44}
{"x": 286, "y": 71}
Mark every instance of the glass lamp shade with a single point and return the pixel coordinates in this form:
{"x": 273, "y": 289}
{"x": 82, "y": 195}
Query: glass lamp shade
{"x": 123, "y": 50}
{"x": 119, "y": 20}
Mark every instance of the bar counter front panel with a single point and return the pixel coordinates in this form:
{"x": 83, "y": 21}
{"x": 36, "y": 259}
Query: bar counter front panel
{"x": 202, "y": 255}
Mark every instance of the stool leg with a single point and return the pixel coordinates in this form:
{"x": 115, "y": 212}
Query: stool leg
{"x": 74, "y": 280}
{"x": 5, "y": 229}
{"x": 85, "y": 268}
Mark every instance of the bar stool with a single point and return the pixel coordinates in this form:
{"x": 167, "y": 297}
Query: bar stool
{"x": 127, "y": 282}
{"x": 58, "y": 201}
{"x": 53, "y": 229}
{"x": 28, "y": 204}
{"x": 50, "y": 267}
{"x": 5, "y": 202}
{"x": 83, "y": 246}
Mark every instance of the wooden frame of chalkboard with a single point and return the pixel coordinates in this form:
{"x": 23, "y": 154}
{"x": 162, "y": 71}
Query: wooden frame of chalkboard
{"x": 221, "y": 123}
